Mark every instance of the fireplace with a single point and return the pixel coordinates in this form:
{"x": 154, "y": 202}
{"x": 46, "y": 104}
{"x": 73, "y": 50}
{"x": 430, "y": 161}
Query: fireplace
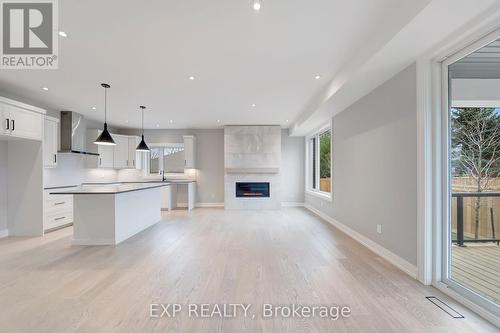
{"x": 252, "y": 190}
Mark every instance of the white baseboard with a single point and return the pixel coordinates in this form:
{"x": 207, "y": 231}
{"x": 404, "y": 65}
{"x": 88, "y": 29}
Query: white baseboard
{"x": 202, "y": 204}
{"x": 394, "y": 259}
{"x": 292, "y": 204}
{"x": 209, "y": 204}
{"x": 4, "y": 233}
{"x": 92, "y": 242}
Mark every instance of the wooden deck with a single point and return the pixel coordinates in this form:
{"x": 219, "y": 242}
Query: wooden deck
{"x": 477, "y": 266}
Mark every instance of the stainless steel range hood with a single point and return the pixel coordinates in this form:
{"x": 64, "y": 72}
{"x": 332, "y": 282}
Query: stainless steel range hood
{"x": 74, "y": 133}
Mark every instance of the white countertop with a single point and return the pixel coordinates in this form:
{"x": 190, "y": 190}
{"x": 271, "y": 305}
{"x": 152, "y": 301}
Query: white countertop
{"x": 113, "y": 188}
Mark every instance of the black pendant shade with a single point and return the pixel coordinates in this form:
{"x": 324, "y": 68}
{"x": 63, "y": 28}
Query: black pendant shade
{"x": 105, "y": 138}
{"x": 142, "y": 145}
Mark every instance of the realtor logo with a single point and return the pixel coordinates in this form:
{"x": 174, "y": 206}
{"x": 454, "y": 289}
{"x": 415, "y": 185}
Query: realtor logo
{"x": 29, "y": 34}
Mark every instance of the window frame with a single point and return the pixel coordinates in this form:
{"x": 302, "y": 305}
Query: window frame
{"x": 312, "y": 186}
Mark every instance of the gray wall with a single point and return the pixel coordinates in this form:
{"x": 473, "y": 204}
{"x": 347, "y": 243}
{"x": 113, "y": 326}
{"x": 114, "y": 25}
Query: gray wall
{"x": 3, "y": 185}
{"x": 292, "y": 167}
{"x": 374, "y": 166}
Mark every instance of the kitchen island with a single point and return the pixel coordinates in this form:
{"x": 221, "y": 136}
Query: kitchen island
{"x": 107, "y": 214}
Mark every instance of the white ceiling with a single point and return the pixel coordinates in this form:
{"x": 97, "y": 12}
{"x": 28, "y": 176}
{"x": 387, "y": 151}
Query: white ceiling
{"x": 431, "y": 28}
{"x": 147, "y": 50}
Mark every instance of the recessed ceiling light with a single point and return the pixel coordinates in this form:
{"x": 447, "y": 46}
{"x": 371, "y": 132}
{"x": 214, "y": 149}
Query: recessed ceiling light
{"x": 94, "y": 108}
{"x": 157, "y": 125}
{"x": 256, "y": 5}
{"x": 317, "y": 77}
{"x": 126, "y": 121}
{"x": 63, "y": 34}
{"x": 45, "y": 89}
{"x": 218, "y": 120}
{"x": 192, "y": 78}
{"x": 171, "y": 121}
{"x": 286, "y": 120}
{"x": 254, "y": 105}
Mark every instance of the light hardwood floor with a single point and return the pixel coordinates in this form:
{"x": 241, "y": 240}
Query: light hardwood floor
{"x": 214, "y": 256}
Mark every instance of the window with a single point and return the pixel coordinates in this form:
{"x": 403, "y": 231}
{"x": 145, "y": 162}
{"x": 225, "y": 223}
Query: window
{"x": 319, "y": 163}
{"x": 165, "y": 158}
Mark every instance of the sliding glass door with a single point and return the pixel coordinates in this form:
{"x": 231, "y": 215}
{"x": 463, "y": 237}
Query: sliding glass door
{"x": 472, "y": 180}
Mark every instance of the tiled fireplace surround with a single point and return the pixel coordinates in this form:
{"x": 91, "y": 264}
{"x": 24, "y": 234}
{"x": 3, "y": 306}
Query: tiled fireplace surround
{"x": 252, "y": 154}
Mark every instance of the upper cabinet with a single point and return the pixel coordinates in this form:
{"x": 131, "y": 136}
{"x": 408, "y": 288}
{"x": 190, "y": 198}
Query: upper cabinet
{"x": 120, "y": 159}
{"x": 189, "y": 152}
{"x": 121, "y": 156}
{"x": 21, "y": 120}
{"x": 134, "y": 156}
{"x": 50, "y": 141}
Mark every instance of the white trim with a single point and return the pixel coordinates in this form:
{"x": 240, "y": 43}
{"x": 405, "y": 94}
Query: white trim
{"x": 445, "y": 289}
{"x": 209, "y": 204}
{"x": 424, "y": 171}
{"x": 92, "y": 242}
{"x": 292, "y": 204}
{"x": 319, "y": 194}
{"x": 4, "y": 233}
{"x": 476, "y": 103}
{"x": 378, "y": 249}
{"x": 201, "y": 204}
{"x": 431, "y": 198}
{"x": 22, "y": 105}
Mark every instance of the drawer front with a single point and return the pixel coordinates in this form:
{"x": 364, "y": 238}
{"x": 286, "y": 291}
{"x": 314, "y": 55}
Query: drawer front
{"x": 58, "y": 203}
{"x": 59, "y": 219}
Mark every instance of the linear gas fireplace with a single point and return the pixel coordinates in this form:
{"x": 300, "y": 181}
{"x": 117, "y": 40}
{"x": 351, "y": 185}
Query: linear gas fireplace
{"x": 252, "y": 190}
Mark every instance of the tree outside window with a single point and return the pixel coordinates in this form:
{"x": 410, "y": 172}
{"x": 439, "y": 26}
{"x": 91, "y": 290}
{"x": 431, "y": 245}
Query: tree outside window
{"x": 325, "y": 140}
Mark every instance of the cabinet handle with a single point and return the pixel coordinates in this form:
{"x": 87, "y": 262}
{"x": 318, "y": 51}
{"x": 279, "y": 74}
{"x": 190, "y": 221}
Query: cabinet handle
{"x": 59, "y": 203}
{"x": 127, "y": 163}
{"x": 8, "y": 123}
{"x": 59, "y": 218}
{"x": 13, "y": 124}
{"x": 100, "y": 161}
{"x": 133, "y": 162}
{"x": 55, "y": 158}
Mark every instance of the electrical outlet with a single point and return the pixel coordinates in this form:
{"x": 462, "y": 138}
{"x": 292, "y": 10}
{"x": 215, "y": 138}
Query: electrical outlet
{"x": 379, "y": 228}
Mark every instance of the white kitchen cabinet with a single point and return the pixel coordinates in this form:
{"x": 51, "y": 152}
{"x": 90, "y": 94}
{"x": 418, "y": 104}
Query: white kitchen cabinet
{"x": 21, "y": 120}
{"x": 106, "y": 156}
{"x": 189, "y": 152}
{"x": 134, "y": 156}
{"x": 121, "y": 151}
{"x": 50, "y": 141}
{"x": 106, "y": 153}
{"x": 121, "y": 156}
{"x": 4, "y": 120}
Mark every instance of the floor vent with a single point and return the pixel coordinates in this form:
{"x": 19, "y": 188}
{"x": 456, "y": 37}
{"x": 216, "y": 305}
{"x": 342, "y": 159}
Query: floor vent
{"x": 445, "y": 307}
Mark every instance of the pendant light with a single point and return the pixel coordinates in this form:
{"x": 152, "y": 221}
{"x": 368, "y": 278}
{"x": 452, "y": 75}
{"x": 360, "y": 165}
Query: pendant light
{"x": 142, "y": 145}
{"x": 105, "y": 138}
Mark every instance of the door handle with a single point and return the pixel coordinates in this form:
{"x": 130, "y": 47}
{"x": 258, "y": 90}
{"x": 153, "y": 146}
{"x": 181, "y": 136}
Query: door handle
{"x": 60, "y": 218}
{"x": 13, "y": 124}
{"x": 7, "y": 121}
